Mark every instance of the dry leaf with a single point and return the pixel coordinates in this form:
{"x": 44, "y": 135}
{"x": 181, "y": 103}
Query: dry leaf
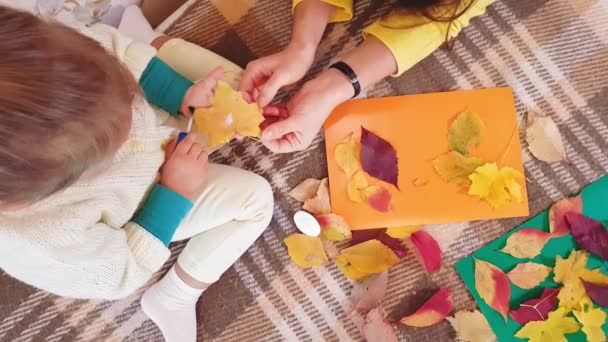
{"x": 471, "y": 326}
{"x": 379, "y": 158}
{"x": 536, "y": 309}
{"x": 365, "y": 259}
{"x": 432, "y": 312}
{"x": 333, "y": 227}
{"x": 544, "y": 140}
{"x": 571, "y": 272}
{"x": 305, "y": 251}
{"x": 378, "y": 198}
{"x": 305, "y": 190}
{"x": 592, "y": 320}
{"x": 526, "y": 243}
{"x": 496, "y": 186}
{"x": 590, "y": 234}
{"x": 330, "y": 249}
{"x": 379, "y": 234}
{"x": 346, "y": 154}
{"x": 428, "y": 249}
{"x": 319, "y": 205}
{"x": 557, "y": 214}
{"x": 403, "y": 232}
{"x": 455, "y": 168}
{"x": 357, "y": 183}
{"x": 229, "y": 115}
{"x": 369, "y": 293}
{"x": 553, "y": 329}
{"x": 376, "y": 328}
{"x": 493, "y": 286}
{"x": 598, "y": 293}
{"x": 465, "y": 132}
{"x": 528, "y": 275}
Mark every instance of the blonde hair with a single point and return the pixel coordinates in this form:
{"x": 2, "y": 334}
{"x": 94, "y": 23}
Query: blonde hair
{"x": 65, "y": 105}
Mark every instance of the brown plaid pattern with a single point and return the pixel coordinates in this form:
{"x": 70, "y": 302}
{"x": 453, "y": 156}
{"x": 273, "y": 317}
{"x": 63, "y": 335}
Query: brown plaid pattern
{"x": 554, "y": 53}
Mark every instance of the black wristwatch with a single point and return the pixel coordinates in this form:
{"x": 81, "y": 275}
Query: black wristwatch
{"x": 350, "y": 75}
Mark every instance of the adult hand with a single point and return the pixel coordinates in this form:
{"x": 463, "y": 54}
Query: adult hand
{"x": 268, "y": 74}
{"x": 306, "y": 112}
{"x": 186, "y": 167}
{"x": 199, "y": 94}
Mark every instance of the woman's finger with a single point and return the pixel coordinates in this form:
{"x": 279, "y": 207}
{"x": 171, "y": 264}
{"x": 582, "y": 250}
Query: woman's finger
{"x": 286, "y": 144}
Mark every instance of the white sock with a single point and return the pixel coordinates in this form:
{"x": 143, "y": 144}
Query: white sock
{"x": 134, "y": 25}
{"x": 171, "y": 304}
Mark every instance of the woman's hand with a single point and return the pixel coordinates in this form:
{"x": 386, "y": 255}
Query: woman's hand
{"x": 199, "y": 94}
{"x": 305, "y": 112}
{"x": 268, "y": 74}
{"x": 185, "y": 168}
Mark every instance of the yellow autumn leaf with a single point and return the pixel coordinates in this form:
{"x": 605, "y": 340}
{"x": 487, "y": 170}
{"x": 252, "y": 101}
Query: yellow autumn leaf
{"x": 403, "y": 232}
{"x": 553, "y": 329}
{"x": 366, "y": 258}
{"x": 357, "y": 183}
{"x": 228, "y": 115}
{"x": 471, "y": 326}
{"x": 496, "y": 186}
{"x": 526, "y": 243}
{"x": 569, "y": 273}
{"x": 346, "y": 154}
{"x": 455, "y": 168}
{"x": 528, "y": 275}
{"x": 465, "y": 132}
{"x": 592, "y": 319}
{"x": 305, "y": 251}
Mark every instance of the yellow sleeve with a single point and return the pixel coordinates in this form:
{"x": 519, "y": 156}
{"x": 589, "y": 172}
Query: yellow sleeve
{"x": 412, "y": 37}
{"x": 343, "y": 12}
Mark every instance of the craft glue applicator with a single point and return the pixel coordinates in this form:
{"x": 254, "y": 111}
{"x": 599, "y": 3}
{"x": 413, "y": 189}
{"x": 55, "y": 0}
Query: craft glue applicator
{"x": 182, "y": 135}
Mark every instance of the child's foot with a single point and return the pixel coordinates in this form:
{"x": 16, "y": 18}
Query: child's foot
{"x": 134, "y": 25}
{"x": 171, "y": 304}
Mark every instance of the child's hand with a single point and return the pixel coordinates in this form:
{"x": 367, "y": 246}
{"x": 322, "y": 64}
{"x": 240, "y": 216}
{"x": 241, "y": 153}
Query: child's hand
{"x": 199, "y": 94}
{"x": 185, "y": 168}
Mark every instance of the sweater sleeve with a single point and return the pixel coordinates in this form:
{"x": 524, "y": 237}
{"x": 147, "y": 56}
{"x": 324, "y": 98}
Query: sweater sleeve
{"x": 343, "y": 12}
{"x": 412, "y": 37}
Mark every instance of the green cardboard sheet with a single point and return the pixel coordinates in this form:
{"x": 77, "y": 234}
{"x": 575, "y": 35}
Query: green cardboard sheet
{"x": 595, "y": 205}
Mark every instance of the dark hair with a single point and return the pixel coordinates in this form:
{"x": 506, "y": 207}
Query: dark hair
{"x": 445, "y": 11}
{"x": 65, "y": 104}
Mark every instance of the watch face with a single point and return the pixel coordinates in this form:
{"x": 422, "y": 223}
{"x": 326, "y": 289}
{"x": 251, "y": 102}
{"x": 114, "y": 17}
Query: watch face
{"x": 306, "y": 223}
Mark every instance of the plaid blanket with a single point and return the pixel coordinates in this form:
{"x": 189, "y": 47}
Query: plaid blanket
{"x": 554, "y": 53}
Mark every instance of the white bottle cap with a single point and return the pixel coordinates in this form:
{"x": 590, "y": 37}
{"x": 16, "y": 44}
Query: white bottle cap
{"x": 306, "y": 223}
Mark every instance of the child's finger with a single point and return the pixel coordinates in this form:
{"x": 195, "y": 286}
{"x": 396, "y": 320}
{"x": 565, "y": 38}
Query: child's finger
{"x": 203, "y": 156}
{"x": 195, "y": 150}
{"x": 184, "y": 146}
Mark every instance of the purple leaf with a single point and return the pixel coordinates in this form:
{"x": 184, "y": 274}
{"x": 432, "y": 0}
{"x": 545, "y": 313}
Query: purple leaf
{"x": 379, "y": 234}
{"x": 379, "y": 158}
{"x": 598, "y": 294}
{"x": 590, "y": 234}
{"x": 536, "y": 309}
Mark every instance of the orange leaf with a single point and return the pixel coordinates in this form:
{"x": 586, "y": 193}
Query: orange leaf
{"x": 528, "y": 275}
{"x": 526, "y": 243}
{"x": 229, "y": 115}
{"x": 319, "y": 204}
{"x": 557, "y": 220}
{"x": 432, "y": 312}
{"x": 333, "y": 227}
{"x": 493, "y": 286}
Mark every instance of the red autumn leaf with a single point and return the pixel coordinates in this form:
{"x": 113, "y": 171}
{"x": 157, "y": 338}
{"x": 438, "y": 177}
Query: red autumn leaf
{"x": 429, "y": 250}
{"x": 379, "y": 158}
{"x": 493, "y": 286}
{"x": 377, "y": 197}
{"x": 536, "y": 309}
{"x": 590, "y": 234}
{"x": 557, "y": 221}
{"x": 379, "y": 234}
{"x": 598, "y": 293}
{"x": 432, "y": 312}
{"x": 377, "y": 328}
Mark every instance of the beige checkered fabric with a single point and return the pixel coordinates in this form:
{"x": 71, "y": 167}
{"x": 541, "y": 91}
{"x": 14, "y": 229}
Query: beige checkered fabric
{"x": 554, "y": 53}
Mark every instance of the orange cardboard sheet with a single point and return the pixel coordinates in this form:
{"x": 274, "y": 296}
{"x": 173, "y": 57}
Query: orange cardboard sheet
{"x": 417, "y": 126}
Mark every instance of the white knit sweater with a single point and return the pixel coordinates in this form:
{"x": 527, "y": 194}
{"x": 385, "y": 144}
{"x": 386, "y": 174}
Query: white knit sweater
{"x": 80, "y": 242}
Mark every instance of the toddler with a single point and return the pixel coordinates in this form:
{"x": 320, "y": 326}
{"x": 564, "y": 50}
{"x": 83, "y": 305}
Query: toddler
{"x": 89, "y": 201}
